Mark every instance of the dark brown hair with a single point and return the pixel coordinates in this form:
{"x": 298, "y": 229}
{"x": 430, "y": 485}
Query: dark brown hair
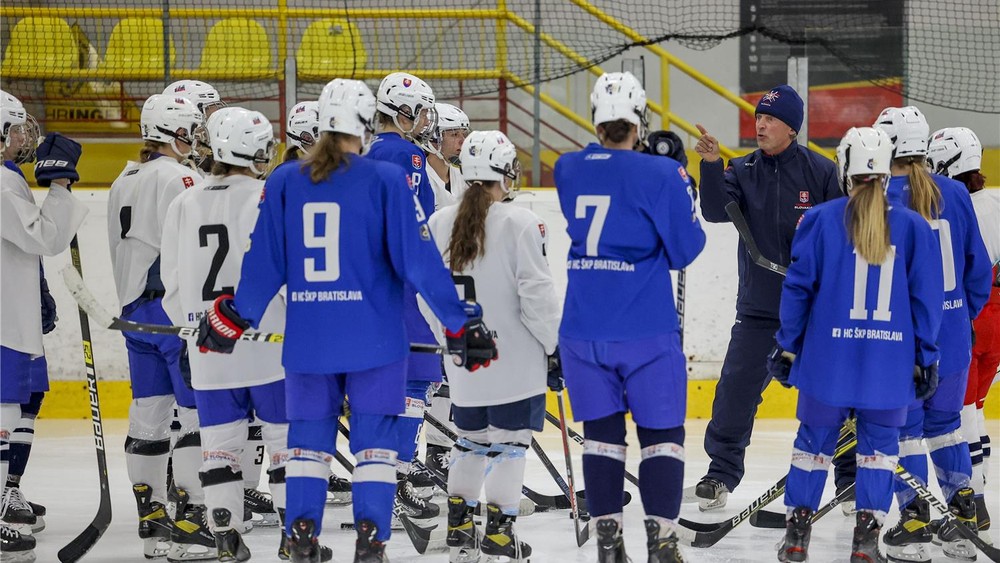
{"x": 224, "y": 169}
{"x": 468, "y": 234}
{"x": 325, "y": 156}
{"x": 614, "y": 131}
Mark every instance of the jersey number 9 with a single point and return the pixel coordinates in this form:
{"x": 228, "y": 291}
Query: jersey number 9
{"x": 321, "y": 229}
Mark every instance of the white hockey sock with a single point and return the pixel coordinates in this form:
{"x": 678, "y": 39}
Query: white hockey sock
{"x": 220, "y": 474}
{"x": 10, "y": 413}
{"x": 970, "y": 431}
{"x": 187, "y": 456}
{"x": 252, "y": 460}
{"x": 147, "y": 447}
{"x": 275, "y": 438}
{"x": 505, "y": 469}
{"x": 467, "y": 469}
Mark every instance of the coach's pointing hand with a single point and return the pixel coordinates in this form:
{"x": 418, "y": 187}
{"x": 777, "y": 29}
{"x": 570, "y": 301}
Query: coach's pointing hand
{"x": 707, "y": 147}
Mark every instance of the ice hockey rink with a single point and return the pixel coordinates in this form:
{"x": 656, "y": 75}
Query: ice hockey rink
{"x": 62, "y": 475}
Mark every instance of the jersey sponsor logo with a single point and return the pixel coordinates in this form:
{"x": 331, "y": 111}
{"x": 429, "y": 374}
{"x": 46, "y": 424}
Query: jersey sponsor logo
{"x": 425, "y": 232}
{"x": 217, "y": 187}
{"x": 683, "y": 173}
{"x": 131, "y": 172}
{"x": 188, "y": 181}
{"x": 416, "y": 161}
{"x": 598, "y": 156}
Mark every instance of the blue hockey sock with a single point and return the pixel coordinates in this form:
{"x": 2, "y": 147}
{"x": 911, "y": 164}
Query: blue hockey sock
{"x": 912, "y": 455}
{"x": 409, "y": 424}
{"x": 877, "y": 456}
{"x": 604, "y": 463}
{"x": 812, "y": 454}
{"x": 661, "y": 471}
{"x": 308, "y": 470}
{"x": 949, "y": 450}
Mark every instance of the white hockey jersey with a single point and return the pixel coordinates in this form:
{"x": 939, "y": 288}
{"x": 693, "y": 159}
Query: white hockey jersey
{"x": 513, "y": 284}
{"x": 206, "y": 233}
{"x": 443, "y": 197}
{"x": 986, "y": 204}
{"x": 137, "y": 206}
{"x": 30, "y": 232}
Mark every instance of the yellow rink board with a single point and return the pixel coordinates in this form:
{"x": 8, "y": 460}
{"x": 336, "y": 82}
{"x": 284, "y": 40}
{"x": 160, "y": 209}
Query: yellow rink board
{"x": 69, "y": 399}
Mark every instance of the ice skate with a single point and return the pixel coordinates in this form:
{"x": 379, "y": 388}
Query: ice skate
{"x": 339, "y": 491}
{"x": 798, "y": 530}
{"x": 367, "y": 549}
{"x": 190, "y": 538}
{"x": 963, "y": 507}
{"x": 228, "y": 542}
{"x": 422, "y": 484}
{"x": 261, "y": 507}
{"x": 415, "y": 507}
{"x": 610, "y": 544}
{"x": 983, "y": 519}
{"x": 908, "y": 540}
{"x": 285, "y": 549}
{"x": 864, "y": 548}
{"x": 500, "y": 542}
{"x": 154, "y": 523}
{"x": 14, "y": 547}
{"x": 661, "y": 543}
{"x": 16, "y": 512}
{"x": 712, "y": 494}
{"x": 463, "y": 538}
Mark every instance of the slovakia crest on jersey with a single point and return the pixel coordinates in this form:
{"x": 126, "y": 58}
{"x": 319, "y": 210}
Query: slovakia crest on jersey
{"x": 188, "y": 181}
{"x": 416, "y": 161}
{"x": 771, "y": 96}
{"x": 683, "y": 173}
{"x": 804, "y": 196}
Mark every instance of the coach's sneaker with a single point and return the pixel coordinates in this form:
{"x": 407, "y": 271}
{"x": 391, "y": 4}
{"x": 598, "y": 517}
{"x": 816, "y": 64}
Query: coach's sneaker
{"x": 415, "y": 507}
{"x": 610, "y": 544}
{"x": 154, "y": 523}
{"x": 908, "y": 540}
{"x": 712, "y": 494}
{"x": 367, "y": 549}
{"x": 798, "y": 530}
{"x": 228, "y": 541}
{"x": 864, "y": 548}
{"x": 463, "y": 538}
{"x": 499, "y": 539}
{"x": 963, "y": 507}
{"x": 285, "y": 550}
{"x": 661, "y": 542}
{"x": 14, "y": 547}
{"x": 339, "y": 491}
{"x": 190, "y": 538}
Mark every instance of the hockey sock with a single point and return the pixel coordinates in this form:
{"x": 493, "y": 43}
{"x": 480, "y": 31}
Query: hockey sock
{"x": 221, "y": 474}
{"x": 308, "y": 469}
{"x": 187, "y": 456}
{"x": 912, "y": 455}
{"x": 970, "y": 431}
{"x": 252, "y": 460}
{"x": 275, "y": 438}
{"x": 604, "y": 463}
{"x": 949, "y": 450}
{"x": 661, "y": 471}
{"x": 9, "y": 415}
{"x": 468, "y": 465}
{"x": 440, "y": 408}
{"x": 22, "y": 437}
{"x": 147, "y": 445}
{"x": 877, "y": 455}
{"x": 505, "y": 468}
{"x": 374, "y": 484}
{"x": 812, "y": 454}
{"x": 409, "y": 424}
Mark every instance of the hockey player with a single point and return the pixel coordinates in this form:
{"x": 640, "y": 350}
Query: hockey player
{"x": 207, "y": 100}
{"x": 302, "y": 130}
{"x": 631, "y": 219}
{"x": 343, "y": 329}
{"x": 956, "y": 152}
{"x": 858, "y": 268}
{"x": 946, "y": 204}
{"x": 28, "y": 231}
{"x": 443, "y": 155}
{"x": 137, "y": 208}
{"x": 497, "y": 253}
{"x": 406, "y": 119}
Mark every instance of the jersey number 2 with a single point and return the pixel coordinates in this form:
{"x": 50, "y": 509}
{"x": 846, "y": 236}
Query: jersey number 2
{"x": 882, "y": 311}
{"x": 208, "y": 291}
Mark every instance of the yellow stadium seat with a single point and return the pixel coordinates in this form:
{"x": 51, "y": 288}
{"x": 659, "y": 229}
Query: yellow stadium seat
{"x": 40, "y": 44}
{"x": 236, "y": 48}
{"x": 330, "y": 48}
{"x": 135, "y": 49}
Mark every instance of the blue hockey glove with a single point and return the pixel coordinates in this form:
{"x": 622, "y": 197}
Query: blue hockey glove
{"x": 925, "y": 378}
{"x": 473, "y": 346}
{"x": 779, "y": 365}
{"x": 555, "y": 376}
{"x": 49, "y": 316}
{"x": 221, "y": 327}
{"x": 57, "y": 159}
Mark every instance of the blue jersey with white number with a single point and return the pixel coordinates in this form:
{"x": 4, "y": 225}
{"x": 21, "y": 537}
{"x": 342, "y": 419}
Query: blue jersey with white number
{"x": 344, "y": 247}
{"x": 631, "y": 219}
{"x": 966, "y": 266}
{"x": 857, "y": 330}
{"x": 391, "y": 147}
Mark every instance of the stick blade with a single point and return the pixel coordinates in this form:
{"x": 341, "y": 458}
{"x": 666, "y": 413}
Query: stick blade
{"x": 84, "y": 298}
{"x": 76, "y": 549}
{"x": 767, "y": 519}
{"x": 424, "y": 539}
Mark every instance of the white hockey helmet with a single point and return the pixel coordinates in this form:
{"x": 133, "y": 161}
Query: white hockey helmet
{"x": 907, "y": 128}
{"x": 202, "y": 94}
{"x": 303, "y": 125}
{"x": 450, "y": 118}
{"x": 163, "y": 116}
{"x": 619, "y": 95}
{"x": 953, "y": 151}
{"x": 864, "y": 151}
{"x": 489, "y": 156}
{"x": 347, "y": 106}
{"x": 401, "y": 93}
{"x": 242, "y": 137}
{"x": 14, "y": 117}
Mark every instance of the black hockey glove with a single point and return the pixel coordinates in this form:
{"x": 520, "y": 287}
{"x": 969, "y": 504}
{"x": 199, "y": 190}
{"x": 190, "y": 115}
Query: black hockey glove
{"x": 555, "y": 377}
{"x": 779, "y": 365}
{"x": 973, "y": 329}
{"x": 473, "y": 346}
{"x": 221, "y": 327}
{"x": 49, "y": 316}
{"x": 185, "y": 366}
{"x": 925, "y": 378}
{"x": 57, "y": 158}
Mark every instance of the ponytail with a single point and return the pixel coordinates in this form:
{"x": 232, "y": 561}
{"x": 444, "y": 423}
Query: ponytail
{"x": 468, "y": 234}
{"x": 868, "y": 220}
{"x": 925, "y": 196}
{"x": 325, "y": 157}
{"x": 291, "y": 153}
{"x": 149, "y": 148}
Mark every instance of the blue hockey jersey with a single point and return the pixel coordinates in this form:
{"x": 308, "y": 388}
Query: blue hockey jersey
{"x": 966, "y": 266}
{"x": 391, "y": 147}
{"x": 857, "y": 330}
{"x": 344, "y": 247}
{"x": 631, "y": 219}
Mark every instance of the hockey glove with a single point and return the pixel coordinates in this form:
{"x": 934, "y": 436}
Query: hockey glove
{"x": 185, "y": 366}
{"x": 49, "y": 316}
{"x": 779, "y": 365}
{"x": 57, "y": 158}
{"x": 221, "y": 327}
{"x": 925, "y": 378}
{"x": 555, "y": 377}
{"x": 473, "y": 346}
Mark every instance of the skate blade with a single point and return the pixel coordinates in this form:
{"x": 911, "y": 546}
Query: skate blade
{"x": 505, "y": 559}
{"x": 155, "y": 548}
{"x": 339, "y": 499}
{"x": 191, "y": 552}
{"x": 464, "y": 555}
{"x": 264, "y": 520}
{"x": 706, "y": 505}
{"x": 961, "y": 550}
{"x": 911, "y": 553}
{"x": 689, "y": 495}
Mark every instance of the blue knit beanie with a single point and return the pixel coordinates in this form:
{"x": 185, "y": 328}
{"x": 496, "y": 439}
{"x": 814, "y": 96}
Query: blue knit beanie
{"x": 784, "y": 103}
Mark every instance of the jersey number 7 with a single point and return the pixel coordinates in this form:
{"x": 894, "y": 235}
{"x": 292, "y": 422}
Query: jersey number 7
{"x": 601, "y": 204}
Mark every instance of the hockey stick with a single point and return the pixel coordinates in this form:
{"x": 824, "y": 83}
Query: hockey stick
{"x": 581, "y": 535}
{"x": 89, "y": 304}
{"x": 681, "y": 301}
{"x": 740, "y": 222}
{"x": 82, "y": 543}
{"x": 579, "y": 440}
{"x": 988, "y": 550}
